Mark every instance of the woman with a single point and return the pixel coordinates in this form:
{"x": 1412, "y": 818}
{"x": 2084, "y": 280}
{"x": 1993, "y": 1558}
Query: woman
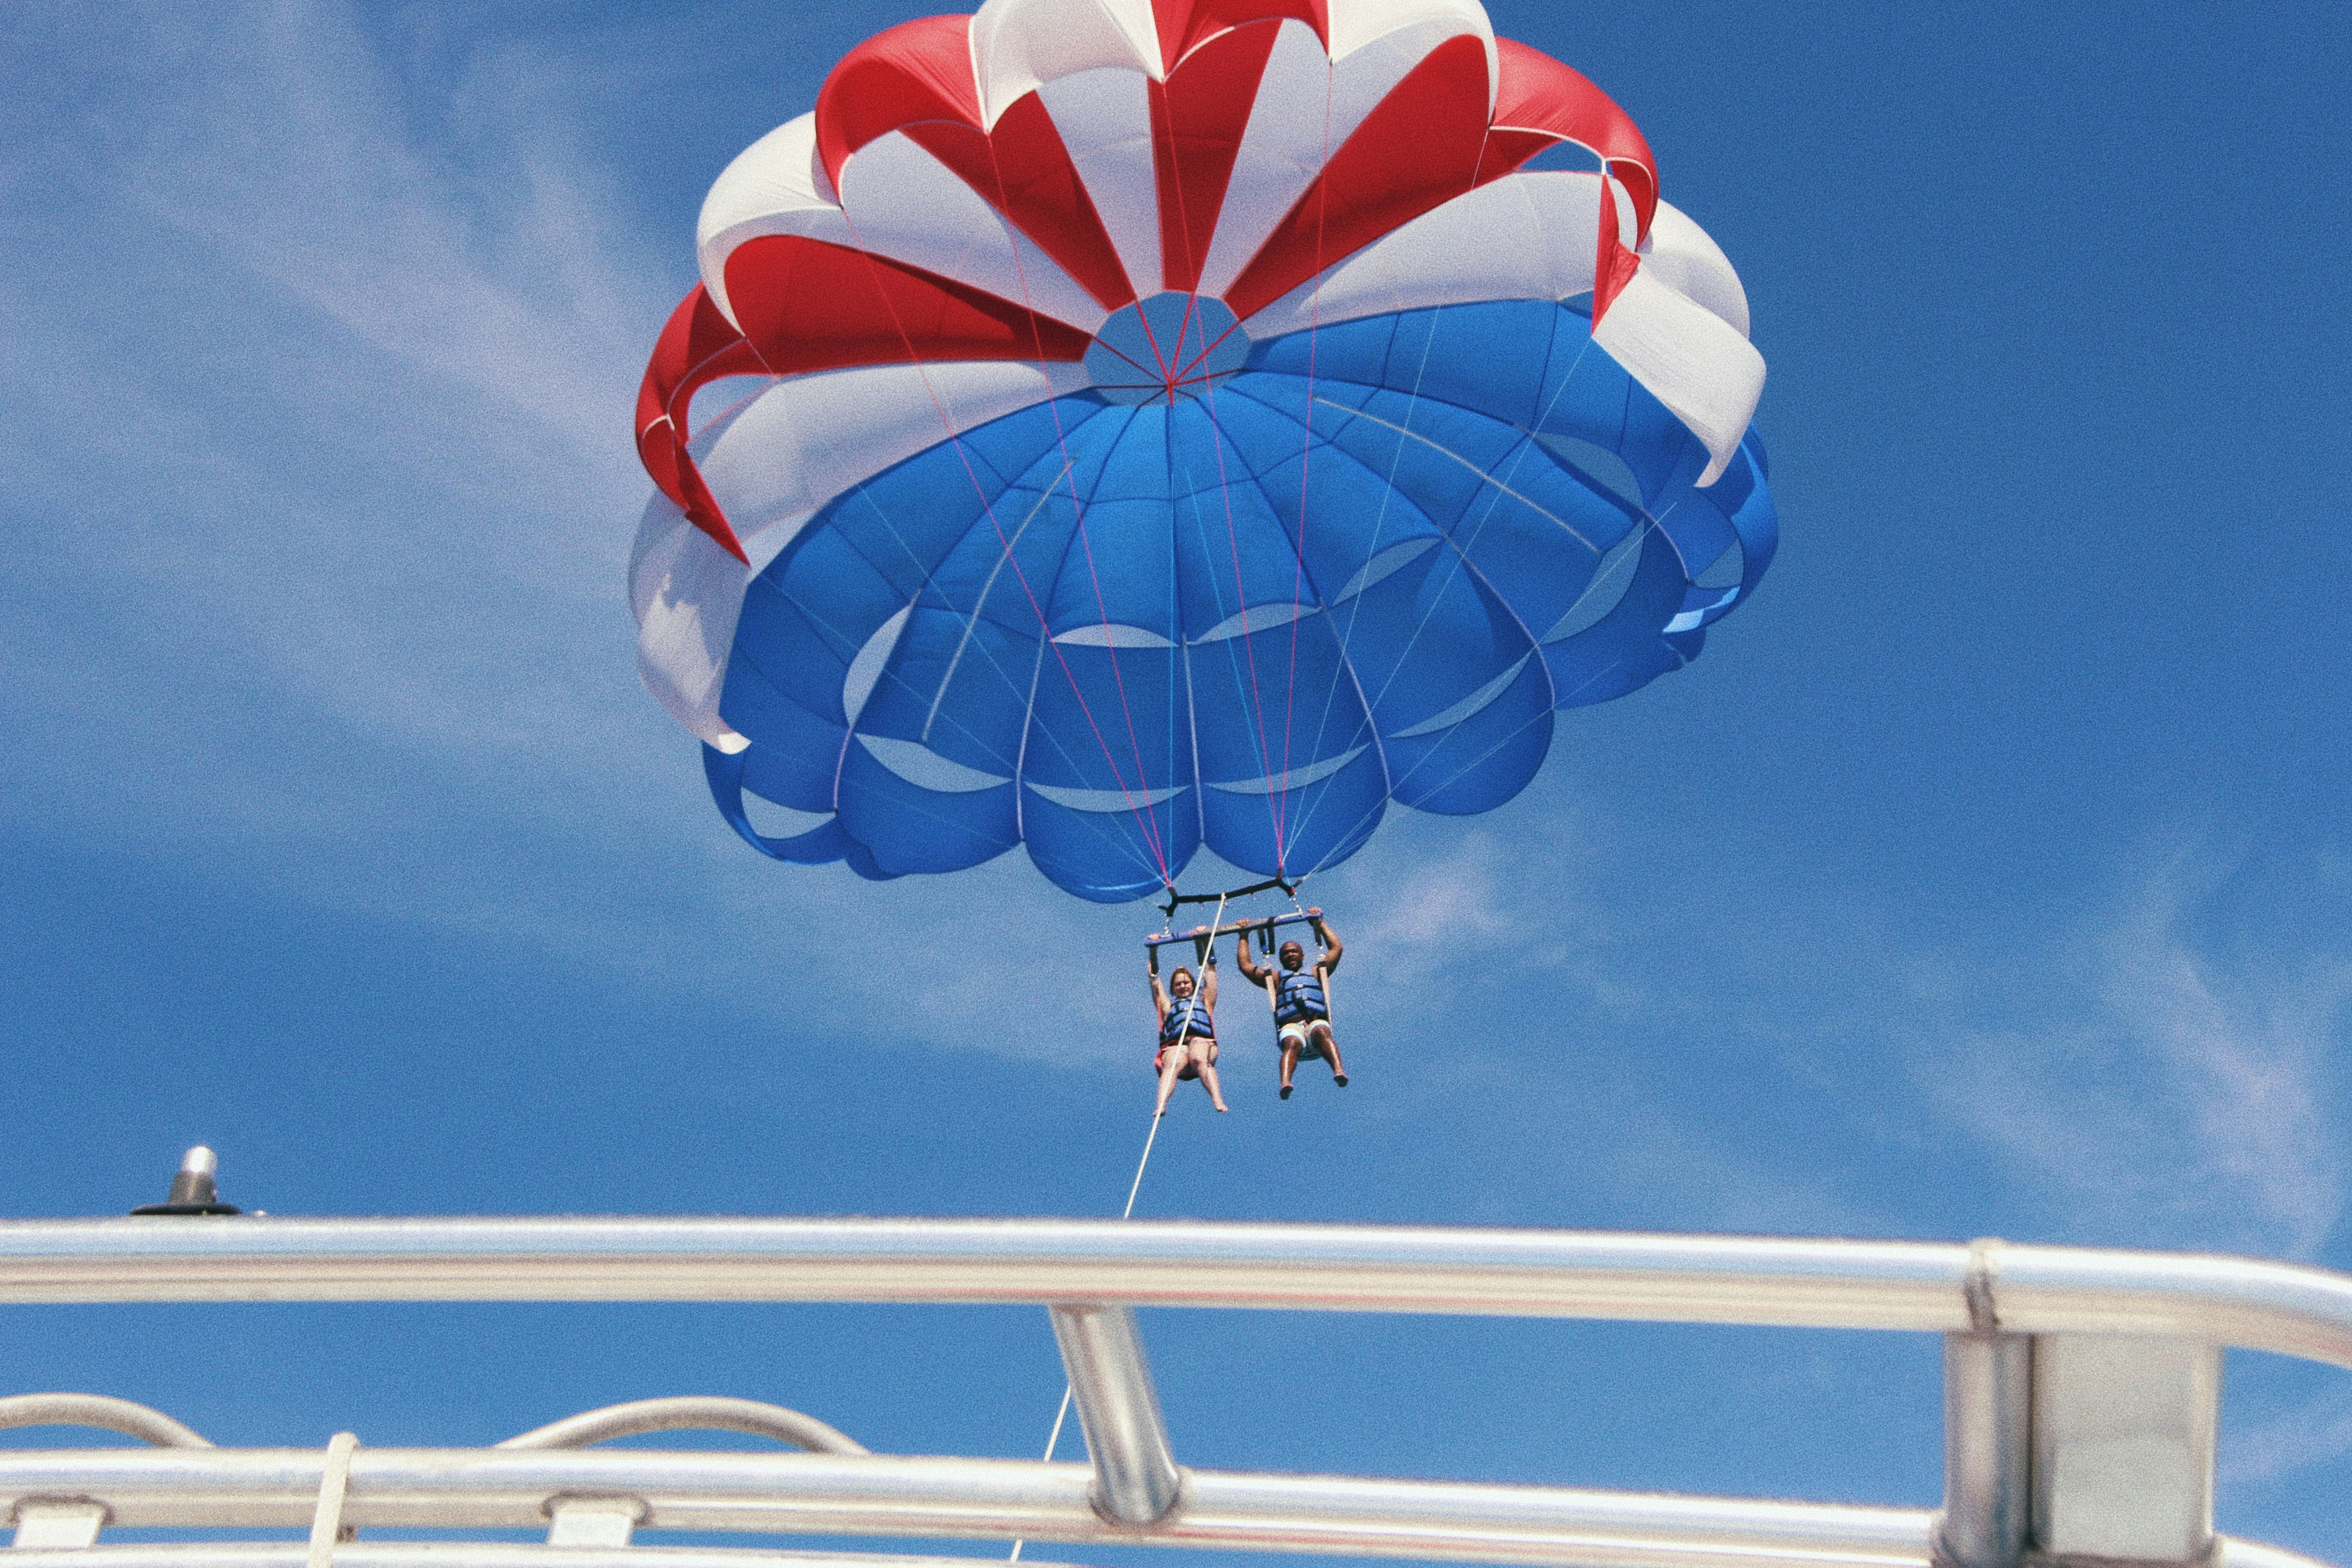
{"x": 1188, "y": 1032}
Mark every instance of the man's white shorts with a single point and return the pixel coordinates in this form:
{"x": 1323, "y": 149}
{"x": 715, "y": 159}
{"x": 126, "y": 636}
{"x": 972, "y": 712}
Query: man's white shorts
{"x": 1297, "y": 1032}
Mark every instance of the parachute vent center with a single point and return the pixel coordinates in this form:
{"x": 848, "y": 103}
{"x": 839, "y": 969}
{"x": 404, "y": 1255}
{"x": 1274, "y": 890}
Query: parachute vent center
{"x": 1166, "y": 348}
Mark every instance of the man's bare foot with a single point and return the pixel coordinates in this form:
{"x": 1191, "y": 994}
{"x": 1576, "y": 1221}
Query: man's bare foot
{"x": 1340, "y": 1078}
{"x": 1224, "y": 1107}
{"x": 1285, "y": 1091}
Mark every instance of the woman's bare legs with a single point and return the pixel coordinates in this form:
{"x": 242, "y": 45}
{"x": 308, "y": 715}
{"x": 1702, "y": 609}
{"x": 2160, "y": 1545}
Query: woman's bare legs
{"x": 1175, "y": 1063}
{"x": 1207, "y": 1062}
{"x": 1320, "y": 1033}
{"x": 1200, "y": 1055}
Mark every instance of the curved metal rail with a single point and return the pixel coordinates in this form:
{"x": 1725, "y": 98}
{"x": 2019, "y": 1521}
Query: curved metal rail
{"x": 103, "y": 1412}
{"x": 2081, "y": 1391}
{"x": 505, "y": 1555}
{"x": 830, "y": 1495}
{"x": 1927, "y": 1286}
{"x": 687, "y": 1413}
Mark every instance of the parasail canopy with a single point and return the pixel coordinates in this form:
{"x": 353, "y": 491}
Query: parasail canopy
{"x": 1183, "y": 422}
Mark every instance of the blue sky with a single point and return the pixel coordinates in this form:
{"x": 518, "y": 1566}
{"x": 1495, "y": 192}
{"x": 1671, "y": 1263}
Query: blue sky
{"x": 1989, "y": 875}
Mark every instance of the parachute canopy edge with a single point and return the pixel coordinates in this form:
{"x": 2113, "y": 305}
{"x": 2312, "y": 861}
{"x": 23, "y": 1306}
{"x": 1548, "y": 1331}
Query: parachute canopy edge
{"x": 698, "y": 345}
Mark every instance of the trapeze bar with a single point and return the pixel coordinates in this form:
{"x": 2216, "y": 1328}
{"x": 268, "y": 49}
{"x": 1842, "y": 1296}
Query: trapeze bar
{"x": 1791, "y": 1283}
{"x": 1271, "y": 885}
{"x": 1235, "y": 927}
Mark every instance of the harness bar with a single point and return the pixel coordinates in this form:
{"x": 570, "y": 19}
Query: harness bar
{"x": 1289, "y": 889}
{"x": 1239, "y": 928}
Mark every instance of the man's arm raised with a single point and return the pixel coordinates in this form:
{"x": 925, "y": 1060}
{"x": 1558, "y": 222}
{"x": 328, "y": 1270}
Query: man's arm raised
{"x": 1248, "y": 965}
{"x": 1332, "y": 948}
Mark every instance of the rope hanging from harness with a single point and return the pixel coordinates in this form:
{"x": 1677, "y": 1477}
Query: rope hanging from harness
{"x": 1061, "y": 1415}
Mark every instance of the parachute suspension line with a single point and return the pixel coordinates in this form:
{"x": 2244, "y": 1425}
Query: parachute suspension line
{"x": 1460, "y": 561}
{"x": 1225, "y": 490}
{"x": 1355, "y": 609}
{"x": 1148, "y": 824}
{"x": 816, "y": 613}
{"x": 988, "y": 507}
{"x": 1243, "y": 684}
{"x": 971, "y": 624}
{"x": 1347, "y": 637}
{"x": 1062, "y": 1414}
{"x": 1305, "y": 456}
{"x": 1387, "y": 490}
{"x": 1466, "y": 768}
{"x": 1241, "y": 600}
{"x": 1651, "y": 521}
{"x": 1110, "y": 646}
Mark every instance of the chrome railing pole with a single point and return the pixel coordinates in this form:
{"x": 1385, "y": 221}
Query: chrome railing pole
{"x": 1988, "y": 1449}
{"x": 1136, "y": 1480}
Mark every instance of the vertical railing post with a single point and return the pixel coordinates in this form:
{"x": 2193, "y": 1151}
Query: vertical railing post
{"x": 1988, "y": 1449}
{"x": 1136, "y": 1478}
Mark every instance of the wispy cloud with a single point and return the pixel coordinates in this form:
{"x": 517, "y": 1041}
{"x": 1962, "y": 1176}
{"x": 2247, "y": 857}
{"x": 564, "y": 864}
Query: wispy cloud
{"x": 471, "y": 246}
{"x": 2312, "y": 1432}
{"x": 1784, "y": 1055}
{"x": 338, "y": 383}
{"x": 2158, "y": 1087}
{"x": 334, "y": 393}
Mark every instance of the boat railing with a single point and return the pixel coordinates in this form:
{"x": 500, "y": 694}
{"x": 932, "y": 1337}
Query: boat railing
{"x": 2082, "y": 1390}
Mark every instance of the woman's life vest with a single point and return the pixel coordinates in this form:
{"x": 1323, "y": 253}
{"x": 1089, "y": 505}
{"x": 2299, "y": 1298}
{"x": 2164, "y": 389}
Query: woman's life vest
{"x": 1188, "y": 1016}
{"x": 1298, "y": 995}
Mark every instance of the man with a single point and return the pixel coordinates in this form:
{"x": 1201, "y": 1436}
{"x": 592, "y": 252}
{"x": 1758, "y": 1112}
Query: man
{"x": 1188, "y": 1031}
{"x": 1302, "y": 1012}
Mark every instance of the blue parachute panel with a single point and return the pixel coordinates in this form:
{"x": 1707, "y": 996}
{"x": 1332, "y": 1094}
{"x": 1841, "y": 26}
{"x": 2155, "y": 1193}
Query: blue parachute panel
{"x": 1482, "y": 759}
{"x": 1368, "y": 565}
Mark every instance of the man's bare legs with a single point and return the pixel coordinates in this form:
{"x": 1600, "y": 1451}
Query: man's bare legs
{"x": 1319, "y": 1032}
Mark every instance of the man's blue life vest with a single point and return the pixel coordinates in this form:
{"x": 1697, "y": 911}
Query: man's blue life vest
{"x": 1298, "y": 996}
{"x": 1189, "y": 1016}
